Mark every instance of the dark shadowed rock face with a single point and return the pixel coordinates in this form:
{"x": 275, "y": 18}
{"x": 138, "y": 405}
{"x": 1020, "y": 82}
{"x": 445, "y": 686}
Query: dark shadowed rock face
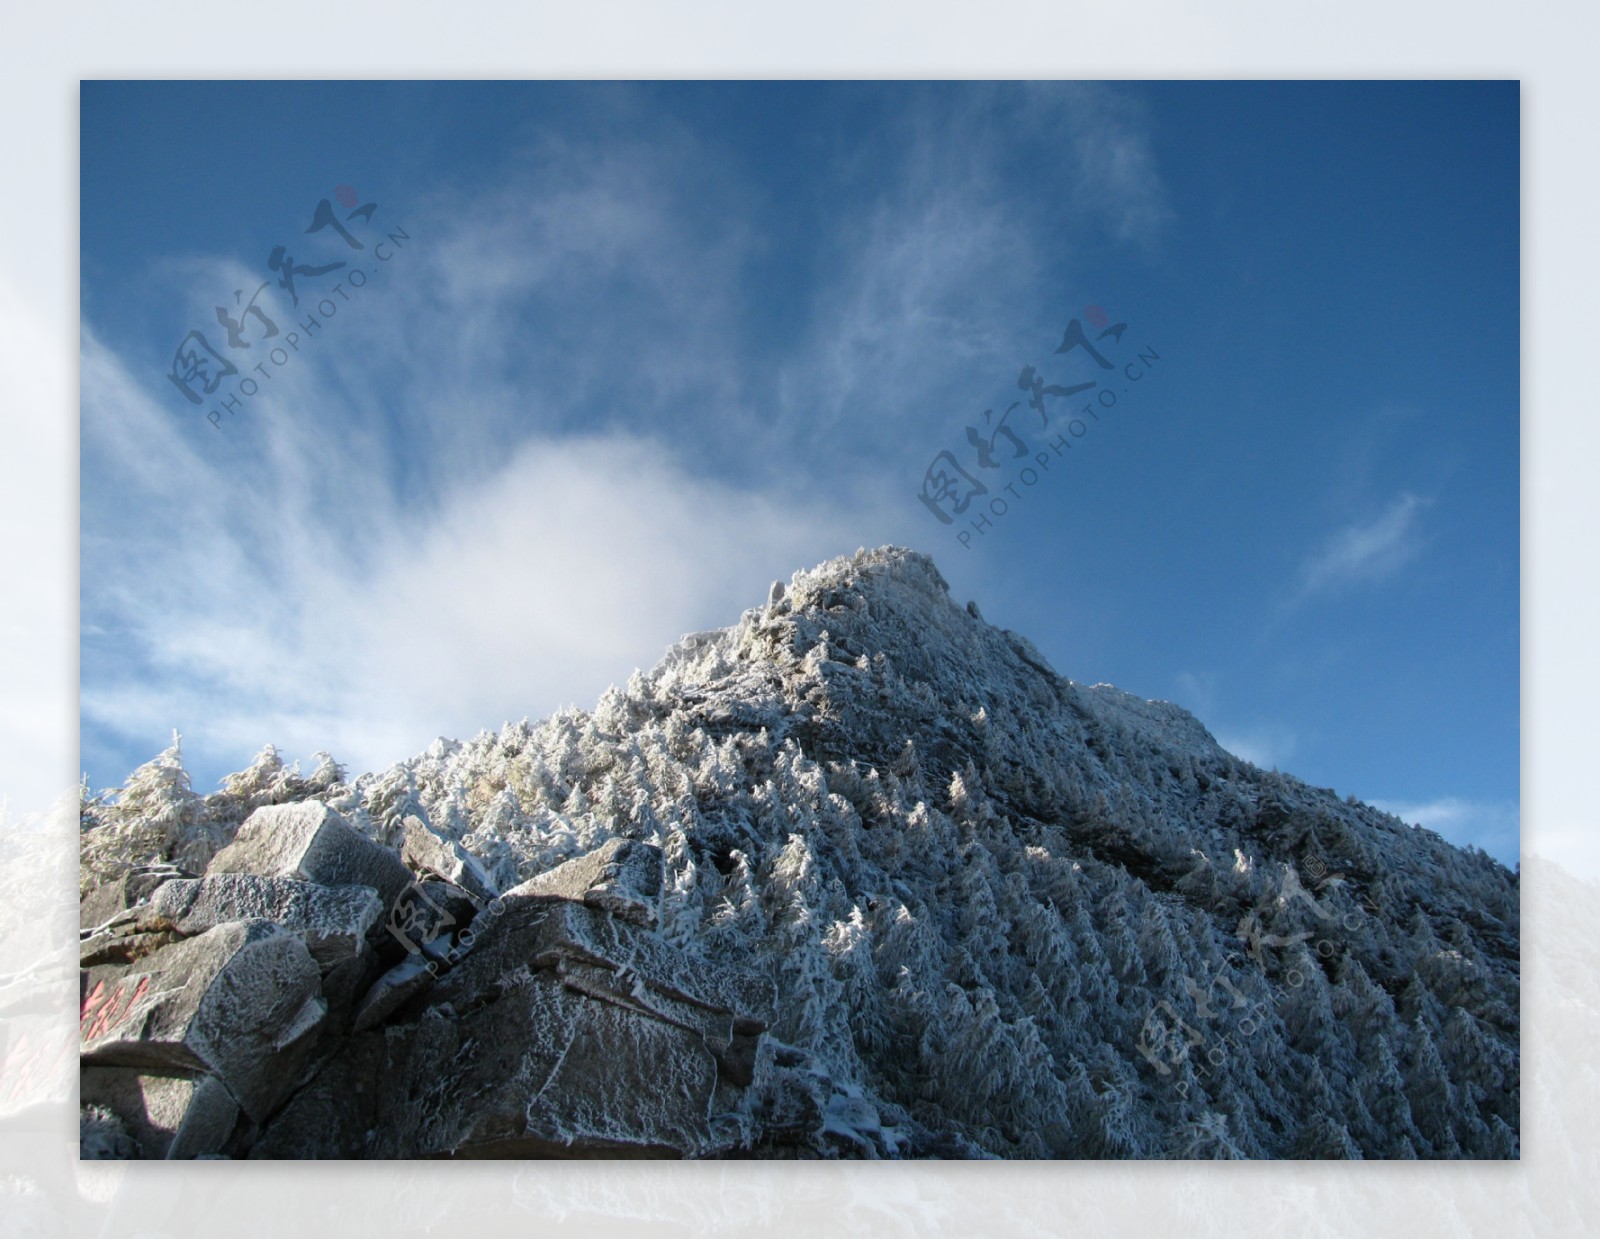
{"x": 859, "y": 876}
{"x": 565, "y": 1031}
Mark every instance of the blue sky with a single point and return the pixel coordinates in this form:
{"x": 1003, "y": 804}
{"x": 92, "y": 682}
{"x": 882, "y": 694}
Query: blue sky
{"x": 645, "y": 347}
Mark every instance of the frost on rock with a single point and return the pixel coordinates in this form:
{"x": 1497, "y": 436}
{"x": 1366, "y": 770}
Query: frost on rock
{"x": 858, "y": 876}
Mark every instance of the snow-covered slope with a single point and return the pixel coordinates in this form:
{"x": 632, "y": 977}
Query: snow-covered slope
{"x": 1007, "y": 914}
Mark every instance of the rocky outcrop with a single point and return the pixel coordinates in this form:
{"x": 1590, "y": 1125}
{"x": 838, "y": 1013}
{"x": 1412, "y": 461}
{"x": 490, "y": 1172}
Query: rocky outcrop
{"x": 429, "y": 854}
{"x": 243, "y": 1014}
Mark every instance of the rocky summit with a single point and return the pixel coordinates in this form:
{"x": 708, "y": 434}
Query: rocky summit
{"x": 860, "y": 876}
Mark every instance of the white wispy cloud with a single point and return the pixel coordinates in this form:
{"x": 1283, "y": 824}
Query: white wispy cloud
{"x": 278, "y": 613}
{"x": 1494, "y": 826}
{"x": 1118, "y": 178}
{"x": 943, "y": 291}
{"x": 1197, "y": 692}
{"x": 1366, "y": 551}
{"x": 1268, "y": 746}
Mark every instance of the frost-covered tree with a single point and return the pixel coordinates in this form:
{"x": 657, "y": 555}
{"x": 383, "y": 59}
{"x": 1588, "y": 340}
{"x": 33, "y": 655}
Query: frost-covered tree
{"x": 154, "y": 817}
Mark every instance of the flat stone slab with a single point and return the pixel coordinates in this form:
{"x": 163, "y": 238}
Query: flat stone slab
{"x": 621, "y": 877}
{"x": 103, "y": 903}
{"x": 333, "y": 922}
{"x": 577, "y": 936}
{"x": 392, "y": 991}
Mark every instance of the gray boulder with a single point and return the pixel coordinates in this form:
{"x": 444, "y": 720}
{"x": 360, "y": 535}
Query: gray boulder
{"x": 429, "y": 910}
{"x": 538, "y": 1070}
{"x": 240, "y": 1002}
{"x": 392, "y": 991}
{"x": 335, "y": 1114}
{"x": 622, "y": 877}
{"x": 309, "y": 841}
{"x": 125, "y": 939}
{"x": 102, "y": 1135}
{"x": 546, "y": 1070}
{"x": 575, "y": 939}
{"x": 348, "y": 980}
{"x": 427, "y": 852}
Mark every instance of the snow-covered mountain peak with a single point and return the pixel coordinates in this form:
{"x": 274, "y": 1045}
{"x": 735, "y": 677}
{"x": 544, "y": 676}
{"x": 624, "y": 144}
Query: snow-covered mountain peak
{"x": 997, "y": 911}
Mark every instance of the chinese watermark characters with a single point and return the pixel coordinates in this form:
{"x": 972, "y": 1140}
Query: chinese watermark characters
{"x": 251, "y": 340}
{"x": 1014, "y": 443}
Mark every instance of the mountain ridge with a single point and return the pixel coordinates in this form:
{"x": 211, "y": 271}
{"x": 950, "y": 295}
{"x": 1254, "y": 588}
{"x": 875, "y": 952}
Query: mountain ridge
{"x": 1001, "y": 913}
